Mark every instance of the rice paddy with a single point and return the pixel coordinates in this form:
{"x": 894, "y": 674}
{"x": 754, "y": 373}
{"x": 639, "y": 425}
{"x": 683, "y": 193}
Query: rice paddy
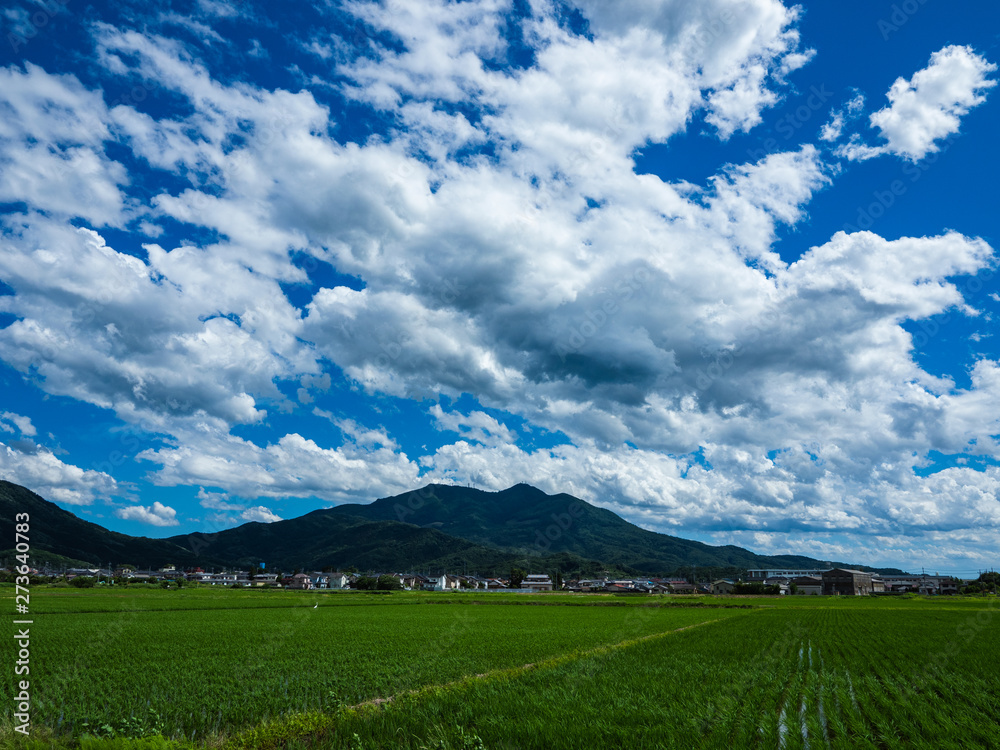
{"x": 284, "y": 669}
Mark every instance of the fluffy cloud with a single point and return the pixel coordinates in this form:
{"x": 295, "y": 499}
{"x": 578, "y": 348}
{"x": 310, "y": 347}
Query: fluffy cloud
{"x": 502, "y": 245}
{"x": 220, "y": 501}
{"x": 477, "y": 426}
{"x": 366, "y": 465}
{"x": 929, "y": 106}
{"x": 52, "y": 153}
{"x": 17, "y": 424}
{"x": 172, "y": 336}
{"x": 25, "y": 462}
{"x": 216, "y": 501}
{"x": 831, "y": 130}
{"x": 259, "y": 514}
{"x": 156, "y": 514}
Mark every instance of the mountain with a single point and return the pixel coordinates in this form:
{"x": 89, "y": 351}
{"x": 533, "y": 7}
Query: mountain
{"x": 433, "y": 529}
{"x": 315, "y": 540}
{"x": 526, "y": 519}
{"x": 57, "y": 531}
{"x": 326, "y": 539}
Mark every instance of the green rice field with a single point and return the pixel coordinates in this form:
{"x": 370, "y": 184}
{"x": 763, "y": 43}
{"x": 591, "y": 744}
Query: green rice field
{"x": 256, "y": 669}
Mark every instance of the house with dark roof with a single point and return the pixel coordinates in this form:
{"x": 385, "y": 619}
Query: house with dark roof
{"x": 299, "y": 581}
{"x": 723, "y": 586}
{"x": 846, "y": 582}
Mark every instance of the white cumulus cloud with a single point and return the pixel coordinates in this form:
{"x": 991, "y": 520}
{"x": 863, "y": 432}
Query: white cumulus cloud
{"x": 260, "y": 514}
{"x": 156, "y": 514}
{"x": 929, "y": 106}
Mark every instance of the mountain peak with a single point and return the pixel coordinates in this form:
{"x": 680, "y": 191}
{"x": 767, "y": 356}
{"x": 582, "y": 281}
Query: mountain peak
{"x": 439, "y": 526}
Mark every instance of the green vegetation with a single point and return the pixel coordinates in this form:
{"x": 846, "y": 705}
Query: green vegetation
{"x": 54, "y": 530}
{"x": 986, "y": 583}
{"x": 525, "y": 518}
{"x": 208, "y": 671}
{"x": 433, "y": 530}
{"x": 381, "y": 583}
{"x": 817, "y": 678}
{"x": 227, "y": 668}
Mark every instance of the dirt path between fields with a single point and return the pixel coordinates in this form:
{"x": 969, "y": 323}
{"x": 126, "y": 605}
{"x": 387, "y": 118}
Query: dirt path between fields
{"x": 525, "y": 668}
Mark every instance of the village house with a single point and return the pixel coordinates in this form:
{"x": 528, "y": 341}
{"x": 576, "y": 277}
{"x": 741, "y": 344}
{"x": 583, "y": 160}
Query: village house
{"x": 319, "y": 580}
{"x": 220, "y": 579}
{"x": 759, "y": 575}
{"x": 620, "y": 587}
{"x": 537, "y": 582}
{"x": 408, "y": 581}
{"x": 676, "y": 587}
{"x": 73, "y": 572}
{"x": 300, "y": 581}
{"x": 417, "y": 581}
{"x": 846, "y": 582}
{"x": 723, "y": 586}
{"x": 921, "y": 584}
{"x": 621, "y": 584}
{"x": 949, "y": 586}
{"x": 440, "y": 583}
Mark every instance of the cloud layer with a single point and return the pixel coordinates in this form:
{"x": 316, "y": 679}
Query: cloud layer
{"x": 494, "y": 239}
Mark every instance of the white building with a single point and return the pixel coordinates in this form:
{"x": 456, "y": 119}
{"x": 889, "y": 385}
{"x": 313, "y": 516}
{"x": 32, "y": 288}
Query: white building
{"x": 763, "y": 574}
{"x": 537, "y": 582}
{"x": 441, "y": 583}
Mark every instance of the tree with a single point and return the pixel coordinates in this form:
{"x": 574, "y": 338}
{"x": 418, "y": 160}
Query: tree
{"x": 558, "y": 584}
{"x": 388, "y": 583}
{"x": 366, "y": 583}
{"x": 756, "y": 589}
{"x": 516, "y": 576}
{"x": 990, "y": 581}
{"x": 82, "y": 582}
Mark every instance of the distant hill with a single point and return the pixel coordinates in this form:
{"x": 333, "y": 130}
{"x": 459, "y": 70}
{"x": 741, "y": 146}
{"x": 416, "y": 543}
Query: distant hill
{"x": 60, "y": 532}
{"x": 435, "y": 529}
{"x": 323, "y": 539}
{"x": 315, "y": 540}
{"x": 526, "y": 519}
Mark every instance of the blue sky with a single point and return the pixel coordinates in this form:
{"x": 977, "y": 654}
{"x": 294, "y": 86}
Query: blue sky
{"x": 725, "y": 268}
